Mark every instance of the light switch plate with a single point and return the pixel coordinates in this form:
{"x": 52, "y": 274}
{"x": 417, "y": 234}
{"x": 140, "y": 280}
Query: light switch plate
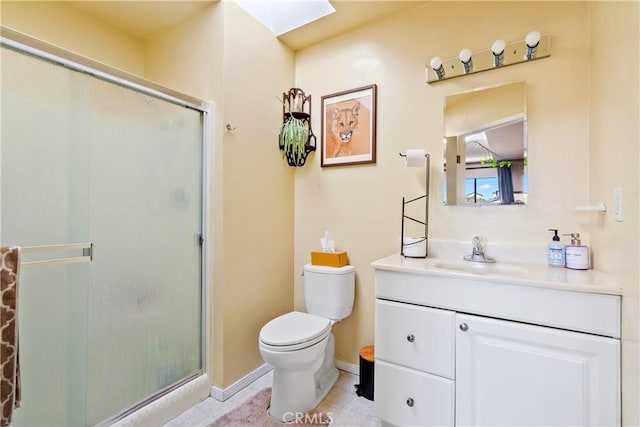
{"x": 617, "y": 204}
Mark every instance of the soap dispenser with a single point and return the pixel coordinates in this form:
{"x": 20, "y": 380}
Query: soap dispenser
{"x": 577, "y": 255}
{"x": 556, "y": 251}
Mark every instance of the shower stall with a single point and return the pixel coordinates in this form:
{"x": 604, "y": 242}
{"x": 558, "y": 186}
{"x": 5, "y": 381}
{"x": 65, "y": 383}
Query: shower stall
{"x": 101, "y": 184}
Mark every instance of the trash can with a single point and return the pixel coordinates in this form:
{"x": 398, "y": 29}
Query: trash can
{"x": 367, "y": 357}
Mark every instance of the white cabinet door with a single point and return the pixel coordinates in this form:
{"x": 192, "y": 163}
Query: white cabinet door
{"x": 405, "y": 397}
{"x": 514, "y": 374}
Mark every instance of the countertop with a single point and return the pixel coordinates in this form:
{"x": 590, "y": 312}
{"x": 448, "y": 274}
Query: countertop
{"x": 535, "y": 275}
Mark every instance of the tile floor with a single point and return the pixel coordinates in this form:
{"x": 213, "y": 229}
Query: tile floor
{"x": 346, "y": 407}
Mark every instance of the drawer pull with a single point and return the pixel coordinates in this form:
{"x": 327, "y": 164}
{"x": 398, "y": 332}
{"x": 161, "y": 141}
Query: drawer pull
{"x": 464, "y": 327}
{"x": 410, "y": 402}
{"x": 411, "y": 338}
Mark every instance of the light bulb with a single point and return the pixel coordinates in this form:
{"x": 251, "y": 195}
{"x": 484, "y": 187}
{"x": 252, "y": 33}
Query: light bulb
{"x": 467, "y": 62}
{"x": 465, "y": 55}
{"x": 436, "y": 64}
{"x": 532, "y": 39}
{"x": 498, "y": 52}
{"x": 498, "y": 47}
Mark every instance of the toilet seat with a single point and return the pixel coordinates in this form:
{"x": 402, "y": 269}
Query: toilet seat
{"x": 294, "y": 331}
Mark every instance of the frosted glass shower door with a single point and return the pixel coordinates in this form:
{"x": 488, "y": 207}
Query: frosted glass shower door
{"x": 145, "y": 221}
{"x": 44, "y": 200}
{"x": 83, "y": 159}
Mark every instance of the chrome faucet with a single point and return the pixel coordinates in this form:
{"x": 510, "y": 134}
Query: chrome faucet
{"x": 477, "y": 254}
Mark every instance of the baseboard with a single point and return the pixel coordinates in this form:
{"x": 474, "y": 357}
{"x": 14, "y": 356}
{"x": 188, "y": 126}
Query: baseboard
{"x": 223, "y": 394}
{"x": 348, "y": 367}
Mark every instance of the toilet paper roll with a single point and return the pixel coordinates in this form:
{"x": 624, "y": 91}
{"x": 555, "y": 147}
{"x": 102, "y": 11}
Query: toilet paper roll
{"x": 415, "y": 247}
{"x": 415, "y": 158}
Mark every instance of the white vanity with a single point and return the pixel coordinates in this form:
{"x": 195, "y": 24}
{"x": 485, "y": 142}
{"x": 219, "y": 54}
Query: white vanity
{"x": 461, "y": 343}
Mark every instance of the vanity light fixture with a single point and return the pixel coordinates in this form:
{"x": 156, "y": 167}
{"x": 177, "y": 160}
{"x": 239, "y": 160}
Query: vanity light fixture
{"x": 497, "y": 48}
{"x": 500, "y": 54}
{"x": 532, "y": 40}
{"x": 467, "y": 60}
{"x": 436, "y": 65}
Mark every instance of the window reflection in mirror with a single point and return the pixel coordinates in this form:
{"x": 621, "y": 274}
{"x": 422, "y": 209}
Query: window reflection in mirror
{"x": 485, "y": 146}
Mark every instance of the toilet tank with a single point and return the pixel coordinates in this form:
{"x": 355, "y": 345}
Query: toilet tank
{"x": 329, "y": 291}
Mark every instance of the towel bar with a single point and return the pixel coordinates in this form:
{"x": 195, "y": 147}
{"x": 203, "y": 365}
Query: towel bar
{"x": 63, "y": 247}
{"x": 87, "y": 254}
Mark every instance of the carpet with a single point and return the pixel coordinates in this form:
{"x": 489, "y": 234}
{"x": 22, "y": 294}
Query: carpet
{"x": 253, "y": 413}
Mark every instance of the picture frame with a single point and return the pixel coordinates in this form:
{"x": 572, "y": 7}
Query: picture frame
{"x": 348, "y": 127}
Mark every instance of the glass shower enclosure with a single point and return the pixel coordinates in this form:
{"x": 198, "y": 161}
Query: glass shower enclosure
{"x": 85, "y": 159}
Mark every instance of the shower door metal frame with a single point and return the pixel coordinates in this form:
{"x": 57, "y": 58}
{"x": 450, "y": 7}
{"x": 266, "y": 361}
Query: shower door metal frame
{"x": 23, "y": 43}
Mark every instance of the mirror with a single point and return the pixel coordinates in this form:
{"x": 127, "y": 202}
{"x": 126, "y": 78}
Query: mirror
{"x": 485, "y": 146}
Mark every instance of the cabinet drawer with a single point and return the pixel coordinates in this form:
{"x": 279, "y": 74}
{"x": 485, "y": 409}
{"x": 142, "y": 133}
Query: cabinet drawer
{"x": 405, "y": 397}
{"x": 417, "y": 337}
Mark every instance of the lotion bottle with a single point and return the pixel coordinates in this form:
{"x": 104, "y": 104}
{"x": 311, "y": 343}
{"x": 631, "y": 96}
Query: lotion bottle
{"x": 556, "y": 251}
{"x": 577, "y": 255}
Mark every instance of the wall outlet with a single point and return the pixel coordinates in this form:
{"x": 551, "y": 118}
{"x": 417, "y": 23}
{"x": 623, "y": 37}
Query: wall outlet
{"x": 617, "y": 204}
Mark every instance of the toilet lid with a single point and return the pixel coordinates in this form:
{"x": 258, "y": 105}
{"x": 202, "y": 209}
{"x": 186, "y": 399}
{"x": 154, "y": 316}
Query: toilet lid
{"x": 294, "y": 328}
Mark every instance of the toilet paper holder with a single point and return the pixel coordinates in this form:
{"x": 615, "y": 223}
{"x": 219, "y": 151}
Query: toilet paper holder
{"x": 424, "y": 239}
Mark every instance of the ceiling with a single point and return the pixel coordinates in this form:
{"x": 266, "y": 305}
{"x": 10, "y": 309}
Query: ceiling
{"x": 348, "y": 15}
{"x": 141, "y": 18}
{"x": 505, "y": 140}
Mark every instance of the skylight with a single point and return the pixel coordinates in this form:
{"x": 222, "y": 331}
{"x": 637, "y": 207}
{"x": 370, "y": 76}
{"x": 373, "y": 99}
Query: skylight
{"x": 282, "y": 16}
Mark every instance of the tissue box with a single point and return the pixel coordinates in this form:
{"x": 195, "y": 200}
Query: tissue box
{"x": 336, "y": 259}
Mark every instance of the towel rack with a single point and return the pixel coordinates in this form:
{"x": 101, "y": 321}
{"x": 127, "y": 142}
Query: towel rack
{"x": 87, "y": 254}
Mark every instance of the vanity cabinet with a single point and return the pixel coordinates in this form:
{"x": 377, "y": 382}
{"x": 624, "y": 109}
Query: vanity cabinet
{"x": 510, "y": 373}
{"x": 442, "y": 360}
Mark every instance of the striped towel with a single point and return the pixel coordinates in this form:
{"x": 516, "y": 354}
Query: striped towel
{"x": 10, "y": 373}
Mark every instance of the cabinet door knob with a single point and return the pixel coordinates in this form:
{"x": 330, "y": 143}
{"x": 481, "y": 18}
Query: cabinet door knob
{"x": 411, "y": 338}
{"x": 464, "y": 327}
{"x": 410, "y": 402}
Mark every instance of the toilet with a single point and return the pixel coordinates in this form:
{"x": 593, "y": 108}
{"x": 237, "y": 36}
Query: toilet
{"x": 301, "y": 347}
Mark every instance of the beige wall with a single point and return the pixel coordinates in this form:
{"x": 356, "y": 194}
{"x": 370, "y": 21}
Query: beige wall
{"x": 568, "y": 165}
{"x": 583, "y": 133}
{"x": 220, "y": 54}
{"x": 65, "y": 26}
{"x": 258, "y": 190}
{"x": 615, "y": 154}
{"x": 361, "y": 204}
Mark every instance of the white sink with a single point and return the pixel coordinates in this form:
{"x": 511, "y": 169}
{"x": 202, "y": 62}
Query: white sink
{"x": 479, "y": 267}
